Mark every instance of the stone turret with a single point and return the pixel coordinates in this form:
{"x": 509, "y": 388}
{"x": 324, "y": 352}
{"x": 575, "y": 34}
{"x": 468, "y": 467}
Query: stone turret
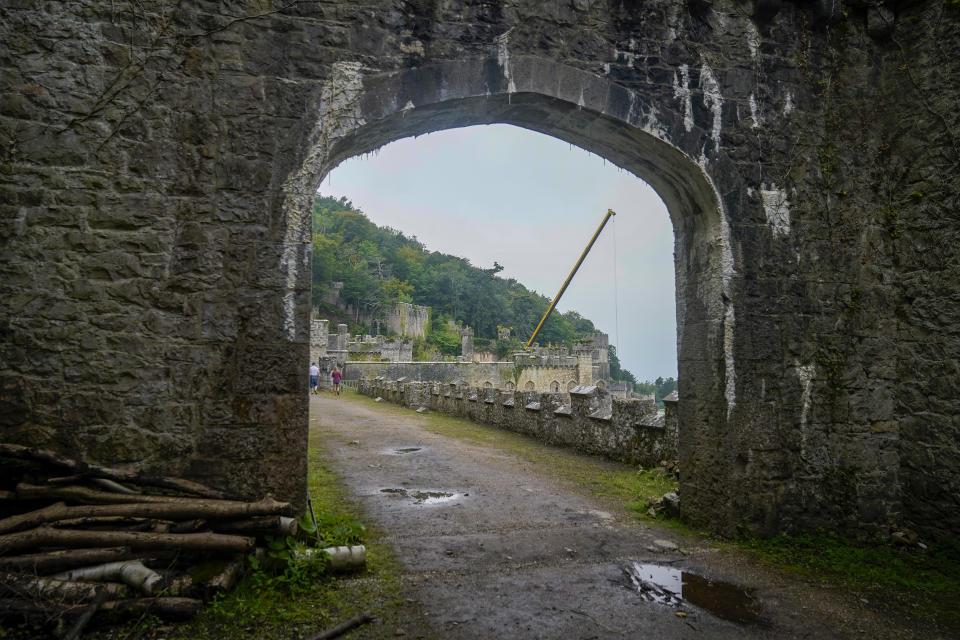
{"x": 466, "y": 343}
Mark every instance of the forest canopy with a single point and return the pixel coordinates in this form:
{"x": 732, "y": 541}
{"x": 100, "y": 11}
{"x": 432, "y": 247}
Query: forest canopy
{"x": 380, "y": 265}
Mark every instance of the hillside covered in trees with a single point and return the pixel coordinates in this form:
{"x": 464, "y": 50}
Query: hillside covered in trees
{"x": 380, "y": 265}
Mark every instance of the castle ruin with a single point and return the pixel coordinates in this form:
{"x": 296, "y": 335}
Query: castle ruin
{"x": 159, "y": 162}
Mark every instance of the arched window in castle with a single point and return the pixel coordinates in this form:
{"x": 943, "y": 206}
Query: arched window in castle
{"x": 571, "y": 385}
{"x": 529, "y": 386}
{"x": 510, "y": 386}
{"x": 487, "y": 385}
{"x": 554, "y": 387}
{"x": 601, "y": 385}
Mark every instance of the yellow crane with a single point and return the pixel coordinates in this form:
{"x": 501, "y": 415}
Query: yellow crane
{"x": 583, "y": 255}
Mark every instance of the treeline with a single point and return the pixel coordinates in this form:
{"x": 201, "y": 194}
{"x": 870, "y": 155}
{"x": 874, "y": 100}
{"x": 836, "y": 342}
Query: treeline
{"x": 380, "y": 265}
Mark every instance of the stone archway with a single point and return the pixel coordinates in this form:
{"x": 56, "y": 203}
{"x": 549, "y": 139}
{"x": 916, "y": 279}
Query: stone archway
{"x": 359, "y": 113}
{"x": 158, "y": 165}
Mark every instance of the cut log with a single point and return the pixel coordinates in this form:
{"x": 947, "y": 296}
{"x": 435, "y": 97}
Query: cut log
{"x": 167, "y": 607}
{"x": 132, "y": 573}
{"x": 109, "y": 485}
{"x": 342, "y": 628}
{"x": 175, "y": 509}
{"x": 73, "y": 538}
{"x": 126, "y": 523}
{"x": 186, "y": 526}
{"x": 180, "y": 585}
{"x": 274, "y": 525}
{"x": 32, "y": 518}
{"x": 339, "y": 558}
{"x": 53, "y": 561}
{"x": 36, "y": 609}
{"x": 85, "y": 617}
{"x": 92, "y": 470}
{"x": 24, "y": 586}
{"x": 85, "y": 495}
{"x": 226, "y": 579}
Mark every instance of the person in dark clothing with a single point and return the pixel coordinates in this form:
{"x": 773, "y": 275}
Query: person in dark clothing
{"x": 336, "y": 375}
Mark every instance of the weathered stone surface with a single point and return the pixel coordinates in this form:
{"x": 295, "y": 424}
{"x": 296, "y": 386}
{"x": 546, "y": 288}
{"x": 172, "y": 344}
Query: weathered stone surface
{"x": 593, "y": 421}
{"x": 158, "y": 161}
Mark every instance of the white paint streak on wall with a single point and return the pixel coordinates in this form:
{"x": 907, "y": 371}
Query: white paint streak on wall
{"x": 788, "y": 104}
{"x": 753, "y": 38}
{"x": 651, "y": 124}
{"x": 730, "y": 371}
{"x": 777, "y": 209}
{"x": 712, "y": 100}
{"x": 754, "y": 113}
{"x": 805, "y": 375}
{"x": 503, "y": 59}
{"x": 728, "y": 271}
{"x": 681, "y": 91}
{"x": 338, "y": 112}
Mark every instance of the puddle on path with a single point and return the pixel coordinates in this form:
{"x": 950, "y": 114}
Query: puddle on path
{"x": 424, "y": 497}
{"x": 400, "y": 451}
{"x": 669, "y": 586}
{"x": 433, "y": 497}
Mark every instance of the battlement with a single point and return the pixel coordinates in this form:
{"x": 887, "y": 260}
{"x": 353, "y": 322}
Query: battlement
{"x": 587, "y": 418}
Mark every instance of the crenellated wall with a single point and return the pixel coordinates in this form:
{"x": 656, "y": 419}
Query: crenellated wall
{"x": 585, "y": 419}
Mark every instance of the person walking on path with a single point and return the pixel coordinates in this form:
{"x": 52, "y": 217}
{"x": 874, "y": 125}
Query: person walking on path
{"x": 336, "y": 375}
{"x": 314, "y": 378}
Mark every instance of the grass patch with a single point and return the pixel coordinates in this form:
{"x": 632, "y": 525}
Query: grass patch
{"x": 302, "y": 601}
{"x": 922, "y": 584}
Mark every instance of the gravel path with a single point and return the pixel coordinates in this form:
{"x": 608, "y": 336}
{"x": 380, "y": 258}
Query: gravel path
{"x": 495, "y": 548}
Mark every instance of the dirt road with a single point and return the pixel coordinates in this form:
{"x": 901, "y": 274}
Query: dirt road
{"x": 495, "y": 548}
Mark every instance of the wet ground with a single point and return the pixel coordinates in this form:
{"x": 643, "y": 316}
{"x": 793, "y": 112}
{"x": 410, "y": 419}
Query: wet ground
{"x": 494, "y": 548}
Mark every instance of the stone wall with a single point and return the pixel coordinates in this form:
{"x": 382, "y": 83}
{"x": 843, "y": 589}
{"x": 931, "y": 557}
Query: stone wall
{"x": 405, "y": 319}
{"x": 471, "y": 373}
{"x": 586, "y": 419}
{"x": 319, "y": 338}
{"x": 498, "y": 375}
{"x": 159, "y": 161}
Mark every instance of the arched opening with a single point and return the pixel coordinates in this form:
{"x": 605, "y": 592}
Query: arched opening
{"x": 571, "y": 384}
{"x": 358, "y": 114}
{"x": 529, "y": 386}
{"x": 554, "y": 387}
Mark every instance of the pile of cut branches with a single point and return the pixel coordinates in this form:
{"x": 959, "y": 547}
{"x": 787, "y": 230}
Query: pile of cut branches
{"x": 77, "y": 538}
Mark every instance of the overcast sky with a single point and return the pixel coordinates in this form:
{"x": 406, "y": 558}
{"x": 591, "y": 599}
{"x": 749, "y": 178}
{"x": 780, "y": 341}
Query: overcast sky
{"x": 531, "y": 202}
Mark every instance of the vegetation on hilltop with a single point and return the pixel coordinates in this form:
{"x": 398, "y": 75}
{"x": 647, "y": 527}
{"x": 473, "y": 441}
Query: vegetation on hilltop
{"x": 379, "y": 266}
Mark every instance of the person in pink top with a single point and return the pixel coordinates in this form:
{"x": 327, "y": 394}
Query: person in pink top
{"x": 336, "y": 375}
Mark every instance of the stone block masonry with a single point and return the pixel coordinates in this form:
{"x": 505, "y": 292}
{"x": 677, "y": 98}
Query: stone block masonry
{"x": 158, "y": 163}
{"x": 586, "y": 419}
